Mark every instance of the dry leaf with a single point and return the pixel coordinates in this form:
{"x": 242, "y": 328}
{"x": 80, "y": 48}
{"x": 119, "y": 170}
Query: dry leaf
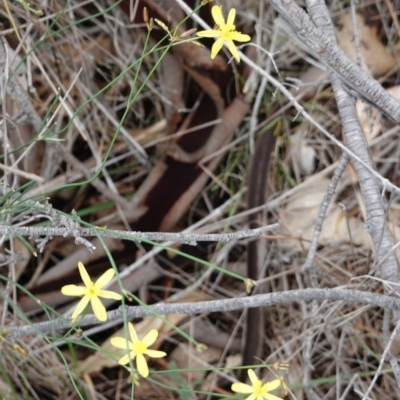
{"x": 375, "y": 58}
{"x": 303, "y": 155}
{"x": 300, "y": 213}
{"x": 233, "y": 361}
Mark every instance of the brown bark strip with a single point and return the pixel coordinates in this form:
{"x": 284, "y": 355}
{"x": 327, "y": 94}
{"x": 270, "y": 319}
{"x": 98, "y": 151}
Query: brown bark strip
{"x": 256, "y": 197}
{"x": 257, "y": 186}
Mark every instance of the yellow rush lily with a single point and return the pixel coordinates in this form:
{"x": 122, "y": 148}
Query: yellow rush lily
{"x": 225, "y": 32}
{"x": 138, "y": 348}
{"x": 91, "y": 293}
{"x": 257, "y": 390}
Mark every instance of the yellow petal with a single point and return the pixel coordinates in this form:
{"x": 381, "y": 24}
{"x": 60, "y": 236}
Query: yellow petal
{"x": 270, "y": 386}
{"x": 216, "y": 12}
{"x": 105, "y": 278}
{"x": 231, "y": 17}
{"x": 239, "y": 387}
{"x": 99, "y": 310}
{"x": 269, "y": 396}
{"x": 240, "y": 37}
{"x": 132, "y": 333}
{"x": 120, "y": 343}
{"x": 108, "y": 294}
{"x": 84, "y": 275}
{"x": 155, "y": 353}
{"x": 80, "y": 308}
{"x": 125, "y": 359}
{"x": 150, "y": 338}
{"x": 73, "y": 290}
{"x": 217, "y": 46}
{"x": 209, "y": 34}
{"x": 232, "y": 48}
{"x": 252, "y": 376}
{"x": 141, "y": 365}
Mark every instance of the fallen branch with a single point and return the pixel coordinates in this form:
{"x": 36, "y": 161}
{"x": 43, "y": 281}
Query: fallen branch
{"x": 187, "y": 238}
{"x": 238, "y": 303}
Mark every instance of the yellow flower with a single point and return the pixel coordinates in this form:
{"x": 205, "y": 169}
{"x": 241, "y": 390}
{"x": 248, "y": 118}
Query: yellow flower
{"x": 257, "y": 390}
{"x": 138, "y": 348}
{"x": 225, "y": 32}
{"x": 91, "y": 293}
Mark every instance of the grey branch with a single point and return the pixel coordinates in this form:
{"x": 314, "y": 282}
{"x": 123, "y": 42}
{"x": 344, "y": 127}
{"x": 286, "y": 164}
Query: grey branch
{"x": 321, "y": 18}
{"x": 323, "y": 209}
{"x": 376, "y": 215}
{"x": 188, "y": 238}
{"x": 325, "y": 49}
{"x": 225, "y": 305}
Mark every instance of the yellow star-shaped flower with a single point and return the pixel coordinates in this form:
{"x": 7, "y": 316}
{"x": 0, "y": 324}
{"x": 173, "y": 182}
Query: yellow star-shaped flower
{"x": 257, "y": 390}
{"x": 225, "y": 32}
{"x": 91, "y": 293}
{"x": 138, "y": 348}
